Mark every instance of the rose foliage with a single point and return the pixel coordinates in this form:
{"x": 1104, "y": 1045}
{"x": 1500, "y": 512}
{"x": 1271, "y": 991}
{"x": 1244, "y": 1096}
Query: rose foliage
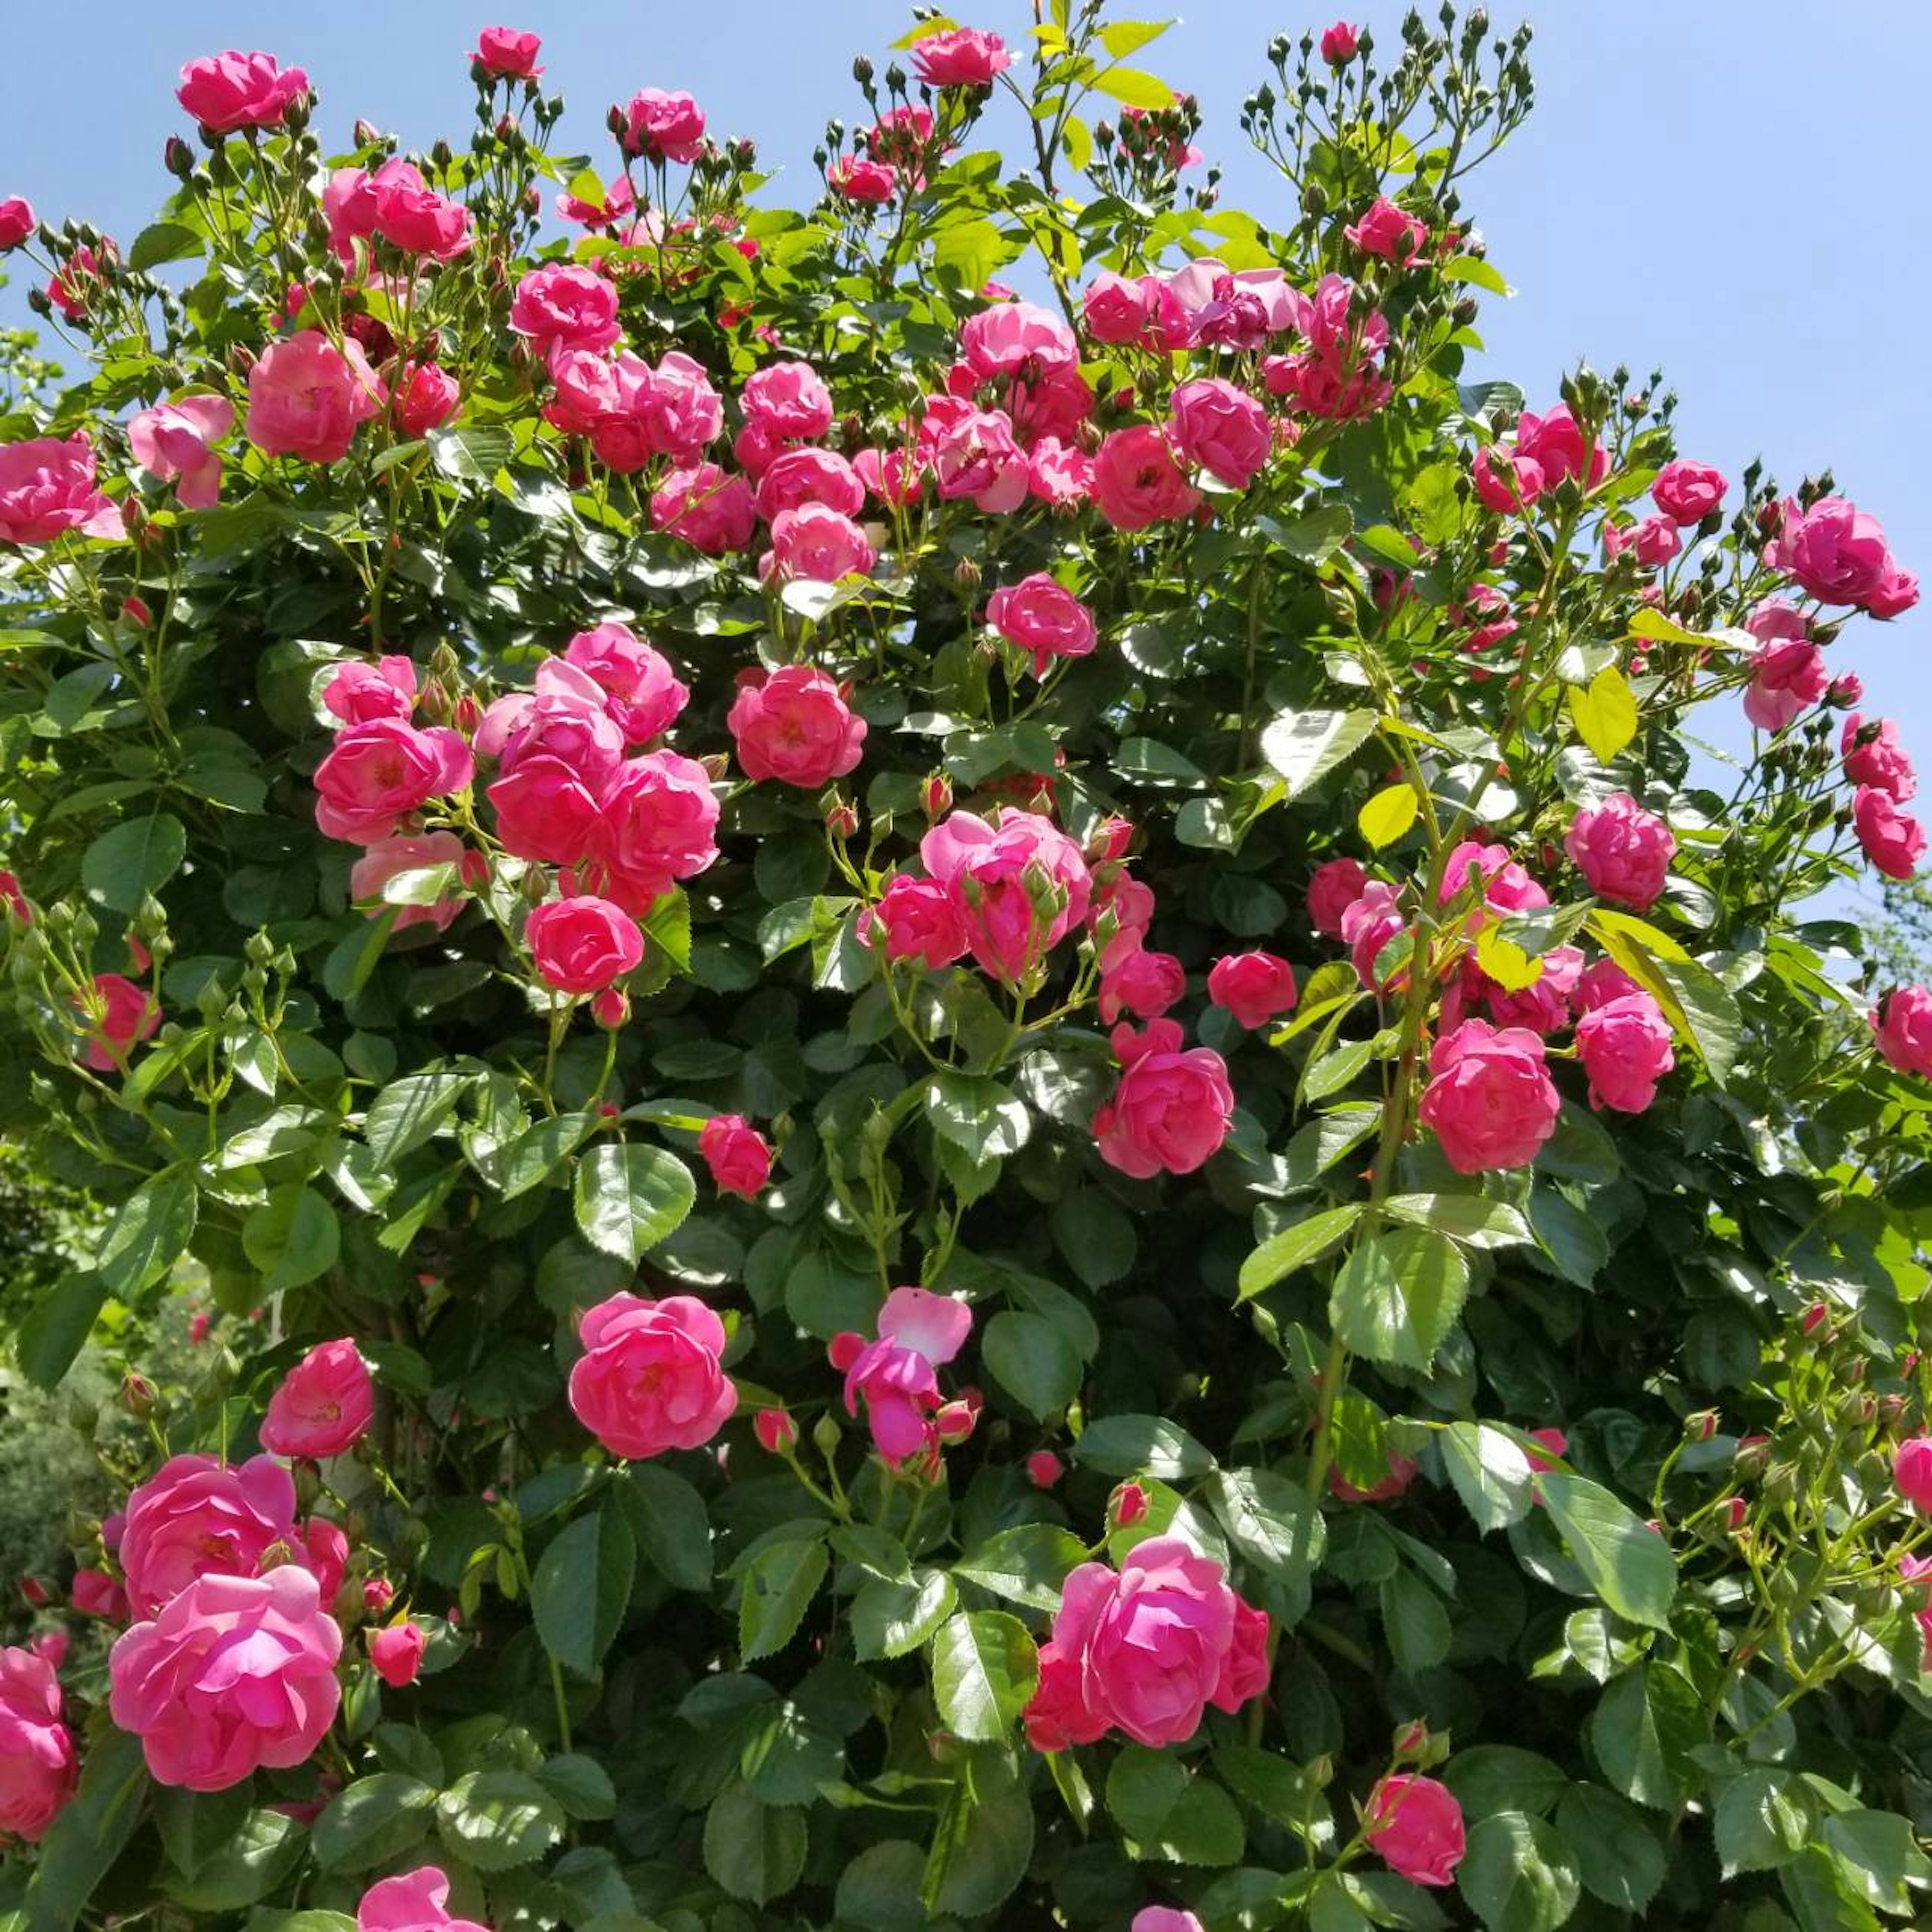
{"x": 990, "y": 1123}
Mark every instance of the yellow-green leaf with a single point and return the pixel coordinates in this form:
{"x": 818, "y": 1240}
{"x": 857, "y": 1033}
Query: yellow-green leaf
{"x": 1388, "y": 814}
{"x": 1506, "y": 962}
{"x": 1605, "y": 713}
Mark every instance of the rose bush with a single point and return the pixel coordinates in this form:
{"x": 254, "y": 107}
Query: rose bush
{"x": 988, "y": 1125}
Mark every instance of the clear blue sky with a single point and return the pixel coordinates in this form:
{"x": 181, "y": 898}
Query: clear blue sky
{"x": 1729, "y": 191}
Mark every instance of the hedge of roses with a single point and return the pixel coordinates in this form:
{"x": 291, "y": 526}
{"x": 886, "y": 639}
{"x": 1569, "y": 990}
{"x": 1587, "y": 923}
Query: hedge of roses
{"x": 987, "y": 1124}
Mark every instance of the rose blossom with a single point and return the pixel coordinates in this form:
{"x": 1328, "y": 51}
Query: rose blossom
{"x": 83, "y": 273}
{"x": 1489, "y": 1099}
{"x": 17, "y": 221}
{"x": 582, "y": 945}
{"x": 396, "y": 1651}
{"x": 619, "y": 201}
{"x": 1894, "y": 840}
{"x": 562, "y": 305}
{"x": 1335, "y": 886}
{"x": 973, "y": 454}
{"x": 306, "y": 396}
{"x": 794, "y": 725}
{"x": 1897, "y": 591}
{"x": 1912, "y": 1471}
{"x": 919, "y": 918}
{"x": 1836, "y": 552}
{"x": 1623, "y": 851}
{"x": 960, "y": 57}
{"x": 426, "y": 397}
{"x": 667, "y": 127}
{"x": 1135, "y": 981}
{"x": 1006, "y": 859}
{"x": 1403, "y": 1471}
{"x": 817, "y": 545}
{"x": 892, "y": 476}
{"x": 1137, "y": 481}
{"x": 1368, "y": 925}
{"x": 1873, "y": 756}
{"x": 546, "y": 810}
{"x": 859, "y": 177}
{"x": 1254, "y": 987}
{"x": 322, "y": 1406}
{"x": 47, "y": 487}
{"x": 410, "y": 215}
{"x": 1687, "y": 492}
{"x": 1172, "y": 1109}
{"x": 172, "y": 442}
{"x": 1146, "y": 1650}
{"x": 1234, "y": 308}
{"x": 739, "y": 1157}
{"x": 389, "y": 857}
{"x": 810, "y": 475}
{"x": 418, "y": 1901}
{"x": 642, "y": 694}
{"x": 196, "y": 1517}
{"x": 96, "y": 1594}
{"x": 711, "y": 511}
{"x": 1016, "y": 338}
{"x": 1386, "y": 230}
{"x": 1902, "y": 1024}
{"x": 229, "y": 91}
{"x": 508, "y": 52}
{"x": 119, "y": 1015}
{"x": 1624, "y": 1045}
{"x": 656, "y": 823}
{"x": 1786, "y": 680}
{"x": 777, "y": 1431}
{"x": 1655, "y": 541}
{"x": 1415, "y": 1824}
{"x": 38, "y": 1770}
{"x": 787, "y": 401}
{"x": 1041, "y": 616}
{"x": 1222, "y": 430}
{"x": 648, "y": 1379}
{"x": 1058, "y": 474}
{"x": 381, "y": 772}
{"x": 1339, "y": 42}
{"x": 236, "y": 1673}
{"x": 918, "y": 1332}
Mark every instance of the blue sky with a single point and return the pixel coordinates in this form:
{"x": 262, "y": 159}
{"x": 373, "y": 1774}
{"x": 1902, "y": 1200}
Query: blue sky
{"x": 1723, "y": 190}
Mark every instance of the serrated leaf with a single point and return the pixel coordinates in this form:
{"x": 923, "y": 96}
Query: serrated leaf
{"x": 985, "y": 1669}
{"x": 1304, "y": 747}
{"x": 629, "y": 1195}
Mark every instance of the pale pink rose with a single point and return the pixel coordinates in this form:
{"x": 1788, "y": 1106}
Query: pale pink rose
{"x": 38, "y": 1769}
{"x": 1040, "y": 615}
{"x": 1059, "y": 474}
{"x": 546, "y": 810}
{"x": 1489, "y": 1100}
{"x": 642, "y": 694}
{"x": 425, "y": 398}
{"x": 1415, "y": 1826}
{"x": 97, "y": 1594}
{"x": 1624, "y": 1045}
{"x": 1894, "y": 840}
{"x": 711, "y": 511}
{"x": 809, "y": 476}
{"x": 667, "y": 127}
{"x": 396, "y": 1651}
{"x": 1874, "y": 756}
{"x": 739, "y": 1157}
{"x": 306, "y": 396}
{"x": 817, "y": 545}
{"x": 1335, "y": 886}
{"x": 858, "y": 178}
{"x": 1146, "y": 1650}
{"x": 1238, "y": 308}
{"x": 172, "y": 442}
{"x": 919, "y": 918}
{"x": 196, "y": 1517}
{"x": 1687, "y": 492}
{"x": 1339, "y": 42}
{"x": 381, "y": 772}
{"x": 47, "y": 487}
{"x": 323, "y": 1405}
{"x": 1902, "y": 1025}
{"x": 119, "y": 1016}
{"x": 563, "y": 305}
{"x": 1386, "y": 230}
{"x": 1222, "y": 430}
{"x": 418, "y": 1901}
{"x": 227, "y": 91}
{"x": 1623, "y": 851}
{"x": 648, "y": 1380}
{"x": 1172, "y": 1109}
{"x": 794, "y": 726}
{"x": 17, "y": 222}
{"x": 582, "y": 945}
{"x": 384, "y": 860}
{"x": 1369, "y": 923}
{"x": 918, "y": 1332}
{"x": 1029, "y": 884}
{"x": 1138, "y": 481}
{"x": 1133, "y": 980}
{"x": 657, "y": 823}
{"x": 787, "y": 401}
{"x": 1775, "y": 622}
{"x": 1254, "y": 987}
{"x": 1786, "y": 680}
{"x": 1017, "y": 338}
{"x": 1912, "y": 1471}
{"x": 1836, "y": 552}
{"x": 509, "y": 53}
{"x": 960, "y": 57}
{"x": 973, "y": 454}
{"x": 236, "y": 1673}
{"x": 361, "y": 692}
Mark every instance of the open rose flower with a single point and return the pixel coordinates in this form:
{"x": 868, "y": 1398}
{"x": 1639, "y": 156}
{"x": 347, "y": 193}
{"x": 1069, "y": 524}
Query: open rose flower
{"x": 1134, "y": 980}
{"x": 648, "y": 1379}
{"x": 380, "y": 772}
{"x": 1836, "y": 552}
{"x": 118, "y": 1015}
{"x": 417, "y": 1901}
{"x": 1902, "y": 1024}
{"x": 919, "y": 918}
{"x": 1016, "y": 338}
{"x": 1415, "y": 1824}
{"x": 360, "y": 692}
{"x": 1334, "y": 888}
{"x": 563, "y": 306}
{"x": 1041, "y": 616}
{"x": 713, "y": 512}
{"x": 38, "y": 1769}
{"x": 306, "y": 396}
{"x": 794, "y": 725}
{"x": 1220, "y": 429}
{"x": 815, "y": 545}
{"x": 1624, "y": 1045}
{"x": 229, "y": 90}
{"x": 668, "y": 126}
{"x": 739, "y": 1157}
{"x": 787, "y": 401}
{"x": 1623, "y": 851}
{"x": 17, "y": 222}
{"x": 390, "y": 858}
{"x": 1489, "y": 1099}
{"x": 1138, "y": 481}
{"x": 1687, "y": 492}
{"x": 322, "y": 1406}
{"x": 960, "y": 57}
{"x": 642, "y": 694}
{"x": 582, "y": 945}
{"x": 196, "y": 1517}
{"x": 1786, "y": 680}
{"x": 509, "y": 53}
{"x": 1873, "y": 755}
{"x": 1254, "y": 987}
{"x": 174, "y": 442}
{"x": 656, "y": 823}
{"x": 47, "y": 488}
{"x": 1894, "y": 840}
{"x": 918, "y": 1333}
{"x": 1172, "y": 1109}
{"x": 1021, "y": 883}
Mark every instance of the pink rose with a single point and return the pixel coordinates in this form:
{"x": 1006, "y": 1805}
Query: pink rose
{"x": 619, "y": 200}
{"x": 1555, "y": 443}
{"x": 81, "y": 276}
{"x": 97, "y": 1594}
{"x": 1059, "y": 474}
{"x": 1836, "y": 552}
{"x": 389, "y": 857}
{"x": 1415, "y": 1826}
{"x": 860, "y": 178}
{"x": 1369, "y": 923}
{"x": 396, "y": 1652}
{"x": 777, "y": 1431}
{"x": 973, "y": 454}
{"x": 565, "y": 716}
{"x": 1338, "y": 43}
{"x": 809, "y": 476}
{"x": 582, "y": 945}
{"x": 1385, "y": 230}
{"x": 657, "y": 823}
{"x": 1044, "y": 1468}
{"x": 236, "y": 1673}
{"x": 1040, "y": 615}
{"x": 1137, "y": 481}
{"x": 1500, "y": 881}
{"x": 1137, "y": 982}
{"x": 1335, "y": 886}
{"x": 360, "y": 692}
{"x": 1017, "y": 339}
{"x": 1902, "y": 1024}
{"x": 1255, "y": 987}
{"x": 1624, "y": 1045}
{"x": 418, "y": 1901}
{"x": 195, "y": 1517}
{"x": 1489, "y": 1099}
{"x": 711, "y": 511}
{"x": 17, "y": 221}
{"x": 1656, "y": 541}
{"x": 1873, "y": 756}
{"x": 1623, "y": 851}
{"x": 381, "y": 772}
{"x": 1507, "y": 480}
{"x": 562, "y": 305}
{"x": 892, "y": 476}
{"x": 817, "y": 545}
{"x": 787, "y": 401}
{"x": 670, "y": 410}
{"x": 1146, "y": 1650}
{"x": 232, "y": 90}
{"x": 547, "y": 810}
{"x": 667, "y": 127}
{"x": 642, "y": 694}
{"x": 508, "y": 52}
{"x": 1912, "y": 1471}
{"x": 51, "y": 1648}
{"x": 1774, "y": 622}
{"x": 410, "y": 215}
{"x": 1114, "y": 308}
{"x": 648, "y": 1379}
{"x": 1222, "y": 430}
{"x": 322, "y": 1406}
{"x": 1172, "y": 1109}
{"x": 1894, "y": 840}
{"x": 38, "y": 1769}
{"x": 1231, "y": 308}
{"x": 1687, "y": 492}
{"x": 1786, "y": 680}
{"x": 919, "y": 919}
{"x": 172, "y": 442}
{"x": 960, "y": 57}
{"x": 47, "y": 487}
{"x": 1543, "y": 1007}
{"x": 795, "y": 726}
{"x": 118, "y": 1014}
{"x": 306, "y": 396}
{"x": 425, "y": 398}
{"x": 1029, "y": 885}
{"x": 1604, "y": 981}
{"x": 739, "y": 1157}
{"x": 918, "y": 1332}
{"x": 1897, "y": 591}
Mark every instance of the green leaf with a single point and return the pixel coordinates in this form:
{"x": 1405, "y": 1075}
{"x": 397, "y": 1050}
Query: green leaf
{"x": 1134, "y": 1445}
{"x": 1414, "y": 1622}
{"x": 1032, "y": 1361}
{"x": 1389, "y": 813}
{"x": 164, "y": 241}
{"x": 1822, "y": 1893}
{"x": 1574, "y": 1241}
{"x": 1295, "y": 1247}
{"x": 496, "y": 1820}
{"x": 985, "y": 1670}
{"x": 1122, "y": 38}
{"x": 408, "y": 1112}
{"x": 1762, "y": 1819}
{"x": 1313, "y": 536}
{"x": 1170, "y": 1814}
{"x": 878, "y": 1890}
{"x": 1467, "y": 1218}
{"x": 1627, "y": 1563}
{"x": 293, "y": 1237}
{"x": 149, "y": 1234}
{"x": 780, "y": 1582}
{"x": 972, "y": 251}
{"x": 256, "y": 1861}
{"x": 1273, "y": 1522}
{"x": 1396, "y": 1298}
{"x": 1618, "y": 1855}
{"x": 753, "y": 1851}
{"x": 91, "y": 1832}
{"x": 539, "y": 1150}
{"x": 1474, "y": 268}
{"x": 982, "y": 1844}
{"x": 1026, "y": 1565}
{"x": 671, "y": 1525}
{"x": 471, "y": 454}
{"x": 123, "y": 866}
{"x": 630, "y": 1195}
{"x": 1504, "y": 1777}
{"x": 977, "y": 1115}
{"x": 581, "y": 1588}
{"x": 1644, "y": 1730}
{"x": 372, "y": 1821}
{"x": 1095, "y": 1234}
{"x": 580, "y": 1785}
{"x": 1605, "y": 713}
{"x": 194, "y": 1826}
{"x": 1132, "y": 88}
{"x": 56, "y": 1330}
{"x": 1875, "y": 1850}
{"x": 1304, "y": 747}
{"x": 1489, "y": 1472}
{"x": 1710, "y": 1013}
{"x": 889, "y": 1619}
{"x": 1518, "y": 1874}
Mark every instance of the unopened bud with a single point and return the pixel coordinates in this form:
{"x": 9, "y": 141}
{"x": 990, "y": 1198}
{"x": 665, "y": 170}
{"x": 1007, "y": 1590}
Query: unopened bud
{"x": 1701, "y": 1426}
{"x": 776, "y": 1430}
{"x": 1044, "y": 1468}
{"x": 862, "y": 70}
{"x": 137, "y": 1395}
{"x": 378, "y": 1594}
{"x": 178, "y": 157}
{"x": 954, "y": 1421}
{"x": 1815, "y": 1317}
{"x": 610, "y": 1009}
{"x": 1411, "y": 1740}
{"x": 308, "y": 1482}
{"x": 841, "y": 817}
{"x": 1753, "y": 1454}
{"x": 1127, "y": 1506}
{"x": 716, "y": 764}
{"x": 935, "y": 796}
{"x": 825, "y": 1434}
{"x": 1736, "y": 1512}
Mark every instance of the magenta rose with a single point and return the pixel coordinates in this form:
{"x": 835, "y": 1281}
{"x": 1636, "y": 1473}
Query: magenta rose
{"x": 360, "y": 692}
{"x": 1489, "y": 1100}
{"x": 739, "y": 1157}
{"x": 648, "y": 1379}
{"x": 47, "y": 488}
{"x": 1059, "y": 474}
{"x": 974, "y": 454}
{"x": 17, "y": 221}
{"x": 787, "y": 401}
{"x": 1234, "y": 308}
{"x": 1912, "y": 1471}
{"x": 1624, "y": 1045}
{"x": 960, "y": 57}
{"x": 1029, "y": 884}
{"x": 1222, "y": 430}
{"x": 38, "y": 1769}
{"x": 562, "y": 305}
{"x": 322, "y": 1406}
{"x": 1687, "y": 492}
{"x": 97, "y": 1594}
{"x": 389, "y": 858}
{"x": 1415, "y": 1826}
{"x": 919, "y": 918}
{"x": 547, "y": 810}
{"x": 508, "y": 53}
{"x": 235, "y": 1673}
{"x": 1138, "y": 481}
{"x": 426, "y": 396}
{"x": 667, "y": 127}
{"x": 1335, "y": 886}
{"x": 1896, "y": 593}
{"x": 1254, "y": 987}
{"x": 1369, "y": 923}
{"x": 1555, "y": 443}
{"x": 1165, "y": 1917}
{"x": 817, "y": 545}
{"x": 1386, "y": 230}
{"x": 1786, "y": 680}
{"x": 1493, "y": 876}
{"x": 918, "y": 1333}
{"x": 196, "y": 1517}
{"x": 1133, "y": 980}
{"x": 118, "y": 1014}
{"x": 795, "y": 726}
{"x": 809, "y": 476}
{"x": 1655, "y": 541}
{"x": 228, "y": 91}
{"x": 1338, "y": 43}
{"x": 858, "y": 178}
{"x": 582, "y": 945}
{"x": 1874, "y": 756}
{"x": 1623, "y": 851}
{"x": 713, "y": 512}
{"x": 1172, "y": 1109}
{"x": 1040, "y": 615}
{"x": 1894, "y": 840}
{"x": 642, "y": 694}
{"x": 410, "y": 215}
{"x": 396, "y": 1651}
{"x": 1016, "y": 338}
{"x": 306, "y": 396}
{"x": 1836, "y": 552}
{"x": 381, "y": 772}
{"x": 417, "y": 1901}
{"x": 657, "y": 823}
{"x": 1114, "y": 308}
{"x": 1902, "y": 1025}
{"x": 174, "y": 443}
